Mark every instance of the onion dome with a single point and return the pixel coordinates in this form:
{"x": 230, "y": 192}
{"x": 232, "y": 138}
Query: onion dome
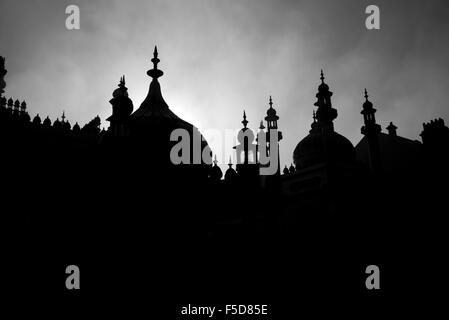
{"x": 66, "y": 125}
{"x": 271, "y": 117}
{"x": 17, "y": 105}
{"x": 216, "y": 173}
{"x": 23, "y": 106}
{"x": 122, "y": 105}
{"x": 37, "y": 119}
{"x": 47, "y": 122}
{"x": 291, "y": 169}
{"x": 154, "y": 122}
{"x": 154, "y": 106}
{"x": 285, "y": 171}
{"x": 57, "y": 124}
{"x": 76, "y": 127}
{"x": 323, "y": 87}
{"x": 10, "y": 103}
{"x": 271, "y": 112}
{"x": 230, "y": 173}
{"x": 369, "y": 118}
{"x": 323, "y": 144}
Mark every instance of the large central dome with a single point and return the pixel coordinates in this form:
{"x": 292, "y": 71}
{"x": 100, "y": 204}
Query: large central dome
{"x": 323, "y": 147}
{"x": 323, "y": 144}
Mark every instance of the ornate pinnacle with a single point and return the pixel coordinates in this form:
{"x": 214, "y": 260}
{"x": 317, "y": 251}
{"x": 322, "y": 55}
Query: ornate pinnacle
{"x": 244, "y": 122}
{"x": 155, "y": 72}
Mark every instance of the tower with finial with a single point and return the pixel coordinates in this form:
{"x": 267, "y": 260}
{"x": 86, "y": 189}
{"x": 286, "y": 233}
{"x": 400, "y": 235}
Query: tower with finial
{"x": 122, "y": 107}
{"x": 371, "y": 131}
{"x": 325, "y": 114}
{"x": 246, "y": 150}
{"x": 323, "y": 145}
{"x": 272, "y": 127}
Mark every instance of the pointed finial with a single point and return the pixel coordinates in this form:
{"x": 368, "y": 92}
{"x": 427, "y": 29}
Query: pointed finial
{"x": 366, "y": 95}
{"x": 230, "y": 162}
{"x": 215, "y": 160}
{"x": 155, "y": 59}
{"x": 155, "y": 72}
{"x": 271, "y": 102}
{"x": 122, "y": 82}
{"x": 322, "y": 76}
{"x": 244, "y": 122}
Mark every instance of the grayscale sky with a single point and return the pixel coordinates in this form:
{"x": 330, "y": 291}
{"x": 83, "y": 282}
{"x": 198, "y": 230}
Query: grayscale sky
{"x": 220, "y": 57}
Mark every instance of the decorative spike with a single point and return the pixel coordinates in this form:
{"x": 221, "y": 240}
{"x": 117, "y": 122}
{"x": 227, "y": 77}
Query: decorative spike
{"x": 366, "y": 95}
{"x": 322, "y": 76}
{"x": 230, "y": 162}
{"x": 244, "y": 122}
{"x": 271, "y": 103}
{"x": 215, "y": 160}
{"x": 155, "y": 72}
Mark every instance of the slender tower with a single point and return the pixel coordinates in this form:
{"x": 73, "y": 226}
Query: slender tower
{"x": 371, "y": 131}
{"x": 272, "y": 124}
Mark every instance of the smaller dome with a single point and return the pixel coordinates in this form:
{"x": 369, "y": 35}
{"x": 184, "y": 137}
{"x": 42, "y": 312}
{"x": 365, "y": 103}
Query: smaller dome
{"x": 271, "y": 112}
{"x": 37, "y": 119}
{"x": 367, "y": 105}
{"x": 216, "y": 173}
{"x": 76, "y": 127}
{"x": 323, "y": 87}
{"x": 119, "y": 93}
{"x": 47, "y": 122}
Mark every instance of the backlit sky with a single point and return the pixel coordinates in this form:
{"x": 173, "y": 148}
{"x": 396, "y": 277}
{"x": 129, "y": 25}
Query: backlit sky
{"x": 220, "y": 57}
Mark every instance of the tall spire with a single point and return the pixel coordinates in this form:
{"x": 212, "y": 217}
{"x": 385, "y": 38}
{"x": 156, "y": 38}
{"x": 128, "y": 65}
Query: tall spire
{"x": 155, "y": 73}
{"x": 322, "y": 76}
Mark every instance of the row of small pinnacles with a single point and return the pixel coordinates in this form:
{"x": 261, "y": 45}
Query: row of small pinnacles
{"x": 16, "y": 112}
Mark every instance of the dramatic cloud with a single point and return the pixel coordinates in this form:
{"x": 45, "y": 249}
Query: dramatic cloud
{"x": 220, "y": 57}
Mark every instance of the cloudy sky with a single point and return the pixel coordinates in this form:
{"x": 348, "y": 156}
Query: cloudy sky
{"x": 220, "y": 57}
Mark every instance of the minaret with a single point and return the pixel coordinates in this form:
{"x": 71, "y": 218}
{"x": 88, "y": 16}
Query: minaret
{"x": 245, "y": 148}
{"x": 272, "y": 124}
{"x": 325, "y": 114}
{"x": 371, "y": 131}
{"x": 122, "y": 107}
